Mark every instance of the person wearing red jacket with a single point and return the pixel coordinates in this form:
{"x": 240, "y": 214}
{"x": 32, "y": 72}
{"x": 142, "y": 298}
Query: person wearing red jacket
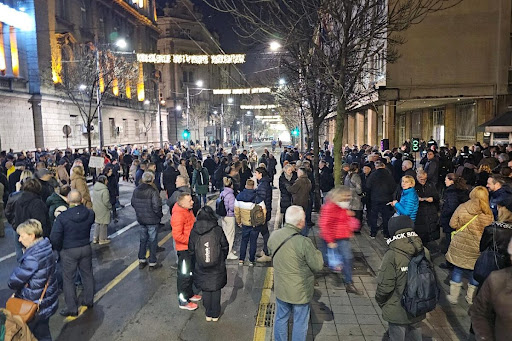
{"x": 182, "y": 221}
{"x": 337, "y": 225}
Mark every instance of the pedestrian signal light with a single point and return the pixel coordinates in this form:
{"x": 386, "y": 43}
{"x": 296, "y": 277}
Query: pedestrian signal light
{"x": 295, "y": 132}
{"x": 186, "y": 134}
{"x": 415, "y": 145}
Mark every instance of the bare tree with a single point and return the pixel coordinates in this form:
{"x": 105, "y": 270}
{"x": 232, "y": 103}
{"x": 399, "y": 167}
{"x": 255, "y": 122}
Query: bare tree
{"x": 85, "y": 69}
{"x": 147, "y": 117}
{"x": 198, "y": 113}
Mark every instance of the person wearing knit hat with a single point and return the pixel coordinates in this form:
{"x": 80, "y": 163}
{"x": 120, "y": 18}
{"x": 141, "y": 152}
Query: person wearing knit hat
{"x": 403, "y": 244}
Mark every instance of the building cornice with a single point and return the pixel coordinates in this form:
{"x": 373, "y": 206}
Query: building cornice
{"x": 141, "y": 18}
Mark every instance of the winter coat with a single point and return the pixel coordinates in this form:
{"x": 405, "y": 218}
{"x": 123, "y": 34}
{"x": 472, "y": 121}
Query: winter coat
{"x": 200, "y": 189}
{"x": 47, "y": 189}
{"x": 183, "y": 170}
{"x": 452, "y": 198}
{"x": 147, "y": 204}
{"x": 432, "y": 169}
{"x": 213, "y": 278}
{"x": 381, "y": 185}
{"x": 210, "y": 164}
{"x": 30, "y": 206}
{"x": 286, "y": 197}
{"x": 502, "y": 197}
{"x": 169, "y": 179}
{"x": 62, "y": 175}
{"x": 101, "y": 204}
{"x": 183, "y": 189}
{"x": 271, "y": 166}
{"x": 229, "y": 201}
{"x": 353, "y": 181}
{"x": 491, "y": 312}
{"x": 498, "y": 235}
{"x": 335, "y": 223}
{"x": 408, "y": 204}
{"x": 294, "y": 265}
{"x": 55, "y": 202}
{"x": 300, "y": 191}
{"x": 425, "y": 224}
{"x": 465, "y": 245}
{"x": 326, "y": 179}
{"x": 78, "y": 182}
{"x": 72, "y": 228}
{"x": 31, "y": 275}
{"x": 244, "y": 176}
{"x": 14, "y": 178}
{"x": 182, "y": 221}
{"x": 15, "y": 328}
{"x": 264, "y": 193}
{"x": 392, "y": 277}
{"x": 244, "y": 203}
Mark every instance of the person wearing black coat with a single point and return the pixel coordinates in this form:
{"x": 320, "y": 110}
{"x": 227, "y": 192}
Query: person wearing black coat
{"x": 245, "y": 173}
{"x": 209, "y": 279}
{"x": 210, "y": 164}
{"x": 113, "y": 187}
{"x": 287, "y": 178}
{"x": 326, "y": 178}
{"x": 169, "y": 179}
{"x": 381, "y": 185}
{"x": 426, "y": 221}
{"x": 264, "y": 193}
{"x": 271, "y": 168}
{"x": 127, "y": 162}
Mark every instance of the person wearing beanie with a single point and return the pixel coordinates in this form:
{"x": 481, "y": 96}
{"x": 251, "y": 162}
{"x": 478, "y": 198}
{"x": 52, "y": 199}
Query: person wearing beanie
{"x": 403, "y": 244}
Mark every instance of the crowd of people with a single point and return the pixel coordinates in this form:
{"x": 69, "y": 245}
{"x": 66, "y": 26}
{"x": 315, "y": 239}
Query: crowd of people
{"x": 465, "y": 194}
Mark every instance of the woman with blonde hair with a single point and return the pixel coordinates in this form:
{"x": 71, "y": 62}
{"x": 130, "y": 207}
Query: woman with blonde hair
{"x": 79, "y": 183}
{"x": 25, "y": 175}
{"x": 469, "y": 221}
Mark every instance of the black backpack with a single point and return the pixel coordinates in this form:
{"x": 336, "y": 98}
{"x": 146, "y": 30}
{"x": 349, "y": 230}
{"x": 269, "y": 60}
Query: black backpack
{"x": 208, "y": 249}
{"x": 421, "y": 292}
{"x": 221, "y": 207}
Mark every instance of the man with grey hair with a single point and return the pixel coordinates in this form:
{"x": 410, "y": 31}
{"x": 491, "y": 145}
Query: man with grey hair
{"x": 148, "y": 208}
{"x": 71, "y": 235}
{"x": 407, "y": 168}
{"x": 295, "y": 261}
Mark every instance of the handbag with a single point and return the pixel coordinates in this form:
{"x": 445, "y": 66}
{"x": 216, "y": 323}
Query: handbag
{"x": 24, "y": 308}
{"x": 464, "y": 227}
{"x": 488, "y": 261}
{"x": 334, "y": 260}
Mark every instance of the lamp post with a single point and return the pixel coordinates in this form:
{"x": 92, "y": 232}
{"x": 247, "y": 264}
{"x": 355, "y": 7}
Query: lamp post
{"x": 199, "y": 84}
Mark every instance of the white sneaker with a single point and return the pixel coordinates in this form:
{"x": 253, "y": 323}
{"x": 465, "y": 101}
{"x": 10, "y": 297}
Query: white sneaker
{"x": 231, "y": 256}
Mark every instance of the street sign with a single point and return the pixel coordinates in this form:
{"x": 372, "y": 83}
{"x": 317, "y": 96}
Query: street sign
{"x": 209, "y": 131}
{"x": 415, "y": 145}
{"x": 96, "y": 162}
{"x": 66, "y": 130}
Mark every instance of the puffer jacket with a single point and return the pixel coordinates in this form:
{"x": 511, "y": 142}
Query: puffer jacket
{"x": 353, "y": 181}
{"x": 452, "y": 198}
{"x": 491, "y": 312}
{"x": 502, "y": 197}
{"x": 426, "y": 218}
{"x": 264, "y": 193}
{"x": 244, "y": 203}
{"x": 229, "y": 201}
{"x": 29, "y": 278}
{"x": 300, "y": 191}
{"x": 79, "y": 183}
{"x": 213, "y": 278}
{"x": 147, "y": 204}
{"x": 182, "y": 221}
{"x": 392, "y": 277}
{"x": 335, "y": 223}
{"x": 53, "y": 202}
{"x": 101, "y": 204}
{"x": 465, "y": 245}
{"x": 286, "y": 197}
{"x": 72, "y": 228}
{"x": 408, "y": 204}
{"x": 295, "y": 264}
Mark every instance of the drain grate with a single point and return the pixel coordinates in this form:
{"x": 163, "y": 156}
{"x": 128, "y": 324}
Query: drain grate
{"x": 266, "y": 312}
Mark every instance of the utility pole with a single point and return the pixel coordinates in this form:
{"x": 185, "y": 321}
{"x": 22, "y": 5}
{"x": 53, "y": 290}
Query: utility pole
{"x": 98, "y": 98}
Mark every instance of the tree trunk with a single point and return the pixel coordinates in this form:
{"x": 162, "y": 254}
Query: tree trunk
{"x": 338, "y": 140}
{"x": 316, "y": 171}
{"x": 89, "y": 139}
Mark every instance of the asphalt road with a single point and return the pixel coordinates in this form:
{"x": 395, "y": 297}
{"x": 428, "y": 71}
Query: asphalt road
{"x": 133, "y": 304}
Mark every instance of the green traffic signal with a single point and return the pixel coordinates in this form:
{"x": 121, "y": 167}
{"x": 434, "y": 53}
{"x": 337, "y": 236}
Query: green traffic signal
{"x": 186, "y": 134}
{"x": 295, "y": 132}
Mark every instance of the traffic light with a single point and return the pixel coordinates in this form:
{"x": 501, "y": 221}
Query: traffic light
{"x": 295, "y": 132}
{"x": 186, "y": 134}
{"x": 415, "y": 145}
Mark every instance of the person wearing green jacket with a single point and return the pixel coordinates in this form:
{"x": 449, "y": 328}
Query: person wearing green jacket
{"x": 101, "y": 206}
{"x": 296, "y": 260}
{"x": 403, "y": 244}
{"x": 200, "y": 181}
{"x": 57, "y": 202}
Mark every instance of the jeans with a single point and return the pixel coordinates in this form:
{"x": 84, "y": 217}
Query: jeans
{"x": 184, "y": 277}
{"x": 345, "y": 251}
{"x": 228, "y": 226}
{"x": 148, "y": 238}
{"x": 40, "y": 328}
{"x": 457, "y": 274}
{"x": 402, "y": 332}
{"x": 211, "y": 302}
{"x": 202, "y": 197}
{"x": 300, "y": 321}
{"x": 249, "y": 235}
{"x": 77, "y": 258}
{"x": 385, "y": 211}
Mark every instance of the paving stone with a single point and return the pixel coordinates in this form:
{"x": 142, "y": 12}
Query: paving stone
{"x": 368, "y": 319}
{"x": 340, "y": 319}
{"x": 339, "y": 300}
{"x": 320, "y": 309}
{"x": 360, "y": 301}
{"x": 348, "y": 329}
{"x": 364, "y": 310}
{"x": 373, "y": 330}
{"x": 324, "y": 329}
{"x": 342, "y": 309}
{"x": 326, "y": 338}
{"x": 321, "y": 318}
{"x": 337, "y": 293}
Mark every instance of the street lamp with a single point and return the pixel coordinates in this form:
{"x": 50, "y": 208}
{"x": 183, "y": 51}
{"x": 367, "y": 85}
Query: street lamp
{"x": 178, "y": 107}
{"x": 146, "y": 102}
{"x": 82, "y": 87}
{"x": 230, "y": 100}
{"x": 121, "y": 43}
{"x": 274, "y": 45}
{"x": 282, "y": 81}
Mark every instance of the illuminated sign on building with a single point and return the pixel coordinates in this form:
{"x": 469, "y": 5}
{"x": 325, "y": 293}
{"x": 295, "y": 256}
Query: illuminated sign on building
{"x": 190, "y": 59}
{"x": 241, "y": 91}
{"x": 15, "y": 18}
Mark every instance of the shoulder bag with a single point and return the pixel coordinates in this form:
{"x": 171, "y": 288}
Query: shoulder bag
{"x": 284, "y": 242}
{"x": 464, "y": 227}
{"x": 24, "y": 308}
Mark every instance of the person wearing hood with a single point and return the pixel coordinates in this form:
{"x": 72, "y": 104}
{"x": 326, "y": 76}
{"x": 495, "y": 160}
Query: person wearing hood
{"x": 213, "y": 278}
{"x": 101, "y": 206}
{"x": 57, "y": 202}
{"x": 228, "y": 222}
{"x": 469, "y": 221}
{"x": 71, "y": 237}
{"x": 79, "y": 183}
{"x": 264, "y": 193}
{"x": 403, "y": 244}
{"x": 500, "y": 193}
{"x": 35, "y": 271}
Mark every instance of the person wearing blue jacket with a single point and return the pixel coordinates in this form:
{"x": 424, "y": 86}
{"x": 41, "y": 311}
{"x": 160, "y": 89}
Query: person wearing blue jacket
{"x": 409, "y": 202}
{"x": 264, "y": 193}
{"x": 36, "y": 268}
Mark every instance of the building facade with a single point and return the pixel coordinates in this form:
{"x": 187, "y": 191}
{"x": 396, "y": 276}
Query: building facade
{"x": 453, "y": 74}
{"x": 34, "y": 107}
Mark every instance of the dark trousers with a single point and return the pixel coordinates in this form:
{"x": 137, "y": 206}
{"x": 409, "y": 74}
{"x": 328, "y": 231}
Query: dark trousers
{"x": 386, "y": 213}
{"x": 78, "y": 258}
{"x": 249, "y": 236}
{"x": 211, "y": 302}
{"x": 126, "y": 172}
{"x": 41, "y": 328}
{"x": 184, "y": 277}
{"x": 265, "y": 234}
{"x": 359, "y": 216}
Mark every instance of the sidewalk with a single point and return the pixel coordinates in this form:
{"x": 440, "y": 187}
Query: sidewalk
{"x": 336, "y": 315}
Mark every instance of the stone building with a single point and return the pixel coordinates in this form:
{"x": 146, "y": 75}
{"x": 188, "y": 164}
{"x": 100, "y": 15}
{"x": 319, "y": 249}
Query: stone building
{"x": 453, "y": 74}
{"x": 34, "y": 109}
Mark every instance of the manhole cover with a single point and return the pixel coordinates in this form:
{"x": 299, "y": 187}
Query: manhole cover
{"x": 360, "y": 266}
{"x": 266, "y": 314}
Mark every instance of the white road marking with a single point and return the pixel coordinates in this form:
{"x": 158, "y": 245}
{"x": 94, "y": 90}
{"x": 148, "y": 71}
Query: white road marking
{"x": 10, "y": 255}
{"x": 123, "y": 230}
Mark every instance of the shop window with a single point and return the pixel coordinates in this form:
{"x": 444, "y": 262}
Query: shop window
{"x": 465, "y": 121}
{"x": 113, "y": 130}
{"x": 416, "y": 125}
{"x": 438, "y": 126}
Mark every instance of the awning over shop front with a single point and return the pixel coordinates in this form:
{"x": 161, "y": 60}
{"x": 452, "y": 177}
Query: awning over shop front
{"x": 500, "y": 124}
